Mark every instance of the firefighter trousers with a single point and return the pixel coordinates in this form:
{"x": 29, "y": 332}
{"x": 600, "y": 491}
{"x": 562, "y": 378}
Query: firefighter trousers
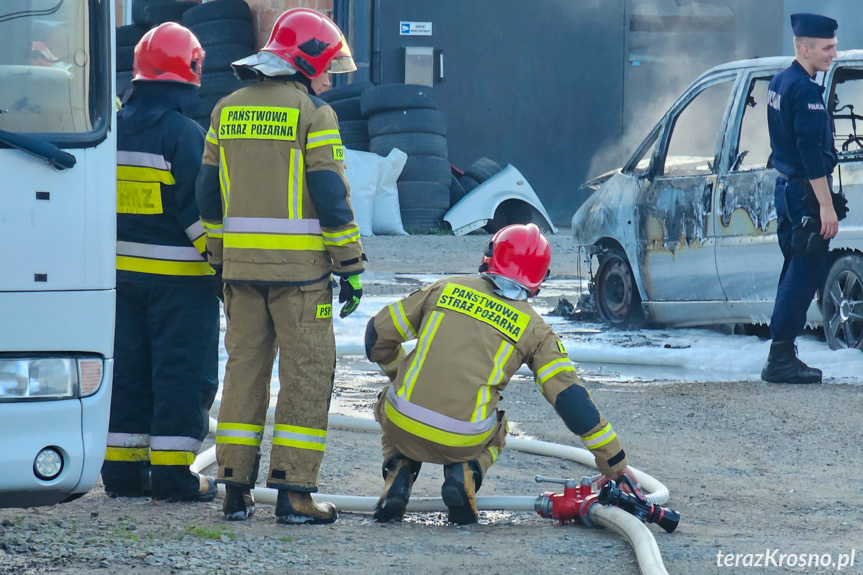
{"x": 165, "y": 378}
{"x": 297, "y": 322}
{"x": 395, "y": 441}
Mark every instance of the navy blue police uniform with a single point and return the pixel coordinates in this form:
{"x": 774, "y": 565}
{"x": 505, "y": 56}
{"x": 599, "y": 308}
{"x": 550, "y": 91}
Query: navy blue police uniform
{"x": 167, "y": 327}
{"x": 802, "y": 142}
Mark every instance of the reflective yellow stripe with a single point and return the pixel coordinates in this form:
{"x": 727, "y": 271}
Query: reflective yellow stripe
{"x": 274, "y": 242}
{"x": 600, "y": 438}
{"x": 400, "y": 319}
{"x": 495, "y": 453}
{"x": 483, "y": 396}
{"x": 172, "y": 458}
{"x": 298, "y": 429}
{"x": 238, "y": 440}
{"x": 127, "y": 454}
{"x": 298, "y": 444}
{"x": 341, "y": 238}
{"x": 211, "y": 136}
{"x": 141, "y": 174}
{"x": 239, "y": 433}
{"x": 240, "y": 427}
{"x": 224, "y": 180}
{"x": 323, "y": 138}
{"x": 201, "y": 244}
{"x": 431, "y": 433}
{"x": 213, "y": 230}
{"x": 162, "y": 267}
{"x": 421, "y": 352}
{"x": 551, "y": 369}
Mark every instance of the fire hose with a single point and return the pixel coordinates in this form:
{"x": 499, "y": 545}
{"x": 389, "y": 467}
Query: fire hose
{"x": 578, "y": 502}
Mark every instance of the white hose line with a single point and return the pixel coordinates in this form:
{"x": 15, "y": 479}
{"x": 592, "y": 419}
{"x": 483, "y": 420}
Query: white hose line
{"x": 639, "y": 536}
{"x": 655, "y": 491}
{"x": 665, "y": 357}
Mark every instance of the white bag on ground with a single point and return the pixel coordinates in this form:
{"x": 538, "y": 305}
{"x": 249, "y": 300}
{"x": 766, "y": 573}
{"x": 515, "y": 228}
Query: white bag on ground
{"x": 386, "y": 216}
{"x": 361, "y": 171}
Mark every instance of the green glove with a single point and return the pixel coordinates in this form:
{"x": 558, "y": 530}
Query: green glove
{"x": 350, "y": 291}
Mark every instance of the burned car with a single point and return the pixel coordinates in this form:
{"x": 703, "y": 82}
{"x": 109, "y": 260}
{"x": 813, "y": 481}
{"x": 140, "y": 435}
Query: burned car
{"x": 685, "y": 233}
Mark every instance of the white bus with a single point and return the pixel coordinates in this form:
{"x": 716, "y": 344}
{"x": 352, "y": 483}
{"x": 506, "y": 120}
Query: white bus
{"x": 57, "y": 246}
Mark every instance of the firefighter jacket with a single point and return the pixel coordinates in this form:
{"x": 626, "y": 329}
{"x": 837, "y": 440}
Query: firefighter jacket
{"x": 470, "y": 343}
{"x": 160, "y": 237}
{"x": 281, "y": 212}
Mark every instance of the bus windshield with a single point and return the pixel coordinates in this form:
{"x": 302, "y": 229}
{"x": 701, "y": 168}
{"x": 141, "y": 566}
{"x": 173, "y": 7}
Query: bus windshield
{"x": 53, "y": 68}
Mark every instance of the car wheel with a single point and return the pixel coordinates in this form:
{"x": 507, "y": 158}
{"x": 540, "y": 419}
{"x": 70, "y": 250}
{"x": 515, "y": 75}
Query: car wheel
{"x": 843, "y": 303}
{"x": 615, "y": 293}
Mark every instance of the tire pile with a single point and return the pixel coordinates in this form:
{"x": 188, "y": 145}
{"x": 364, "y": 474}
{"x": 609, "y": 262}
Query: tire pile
{"x": 223, "y": 27}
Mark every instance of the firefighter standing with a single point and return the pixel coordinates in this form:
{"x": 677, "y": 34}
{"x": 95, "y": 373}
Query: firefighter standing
{"x": 472, "y": 333}
{"x": 167, "y": 329}
{"x": 801, "y": 139}
{"x": 277, "y": 210}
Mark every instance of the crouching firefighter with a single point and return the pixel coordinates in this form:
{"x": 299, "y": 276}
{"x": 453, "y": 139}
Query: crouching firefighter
{"x": 473, "y": 333}
{"x": 276, "y": 205}
{"x": 167, "y": 328}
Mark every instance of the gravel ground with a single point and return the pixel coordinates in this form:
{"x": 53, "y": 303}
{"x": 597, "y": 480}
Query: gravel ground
{"x": 751, "y": 467}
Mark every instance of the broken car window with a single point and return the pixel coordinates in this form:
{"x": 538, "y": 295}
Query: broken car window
{"x": 753, "y": 145}
{"x": 695, "y": 132}
{"x": 846, "y": 108}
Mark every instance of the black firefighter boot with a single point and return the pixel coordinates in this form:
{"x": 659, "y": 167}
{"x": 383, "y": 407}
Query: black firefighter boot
{"x": 239, "y": 502}
{"x": 298, "y": 507}
{"x": 461, "y": 482}
{"x": 399, "y": 476}
{"x": 783, "y": 366}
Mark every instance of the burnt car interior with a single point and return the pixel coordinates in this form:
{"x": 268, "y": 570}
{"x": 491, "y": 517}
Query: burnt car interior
{"x": 753, "y": 144}
{"x": 847, "y": 96}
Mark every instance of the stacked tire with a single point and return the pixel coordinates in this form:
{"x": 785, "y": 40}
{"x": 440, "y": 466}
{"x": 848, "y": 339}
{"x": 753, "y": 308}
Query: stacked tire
{"x": 224, "y": 29}
{"x": 345, "y": 102}
{"x": 127, "y": 39}
{"x": 407, "y": 117}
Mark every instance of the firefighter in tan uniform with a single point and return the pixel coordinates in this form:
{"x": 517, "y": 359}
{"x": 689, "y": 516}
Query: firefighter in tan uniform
{"x": 473, "y": 333}
{"x": 276, "y": 206}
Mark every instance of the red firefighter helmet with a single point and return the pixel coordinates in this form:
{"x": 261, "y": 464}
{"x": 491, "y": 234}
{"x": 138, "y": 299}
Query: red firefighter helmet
{"x": 519, "y": 252}
{"x": 169, "y": 53}
{"x": 310, "y": 42}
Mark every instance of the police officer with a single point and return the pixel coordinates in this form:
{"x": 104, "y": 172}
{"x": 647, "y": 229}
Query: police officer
{"x": 276, "y": 205}
{"x": 802, "y": 143}
{"x": 472, "y": 334}
{"x": 167, "y": 330}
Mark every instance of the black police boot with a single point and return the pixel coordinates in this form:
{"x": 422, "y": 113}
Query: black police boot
{"x": 239, "y": 503}
{"x": 461, "y": 482}
{"x": 783, "y": 366}
{"x": 399, "y": 475}
{"x": 298, "y": 507}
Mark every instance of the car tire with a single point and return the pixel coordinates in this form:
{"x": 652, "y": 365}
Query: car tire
{"x": 843, "y": 303}
{"x": 468, "y": 184}
{"x": 408, "y": 120}
{"x": 219, "y": 84}
{"x": 344, "y": 92}
{"x": 355, "y": 131}
{"x": 348, "y": 110}
{"x": 414, "y": 144}
{"x": 397, "y": 96}
{"x": 153, "y": 12}
{"x": 483, "y": 169}
{"x": 456, "y": 191}
{"x": 130, "y": 35}
{"x": 125, "y": 58}
{"x": 426, "y": 169}
{"x": 615, "y": 293}
{"x": 220, "y": 56}
{"x": 232, "y": 31}
{"x": 217, "y": 10}
{"x": 423, "y": 220}
{"x": 423, "y": 195}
